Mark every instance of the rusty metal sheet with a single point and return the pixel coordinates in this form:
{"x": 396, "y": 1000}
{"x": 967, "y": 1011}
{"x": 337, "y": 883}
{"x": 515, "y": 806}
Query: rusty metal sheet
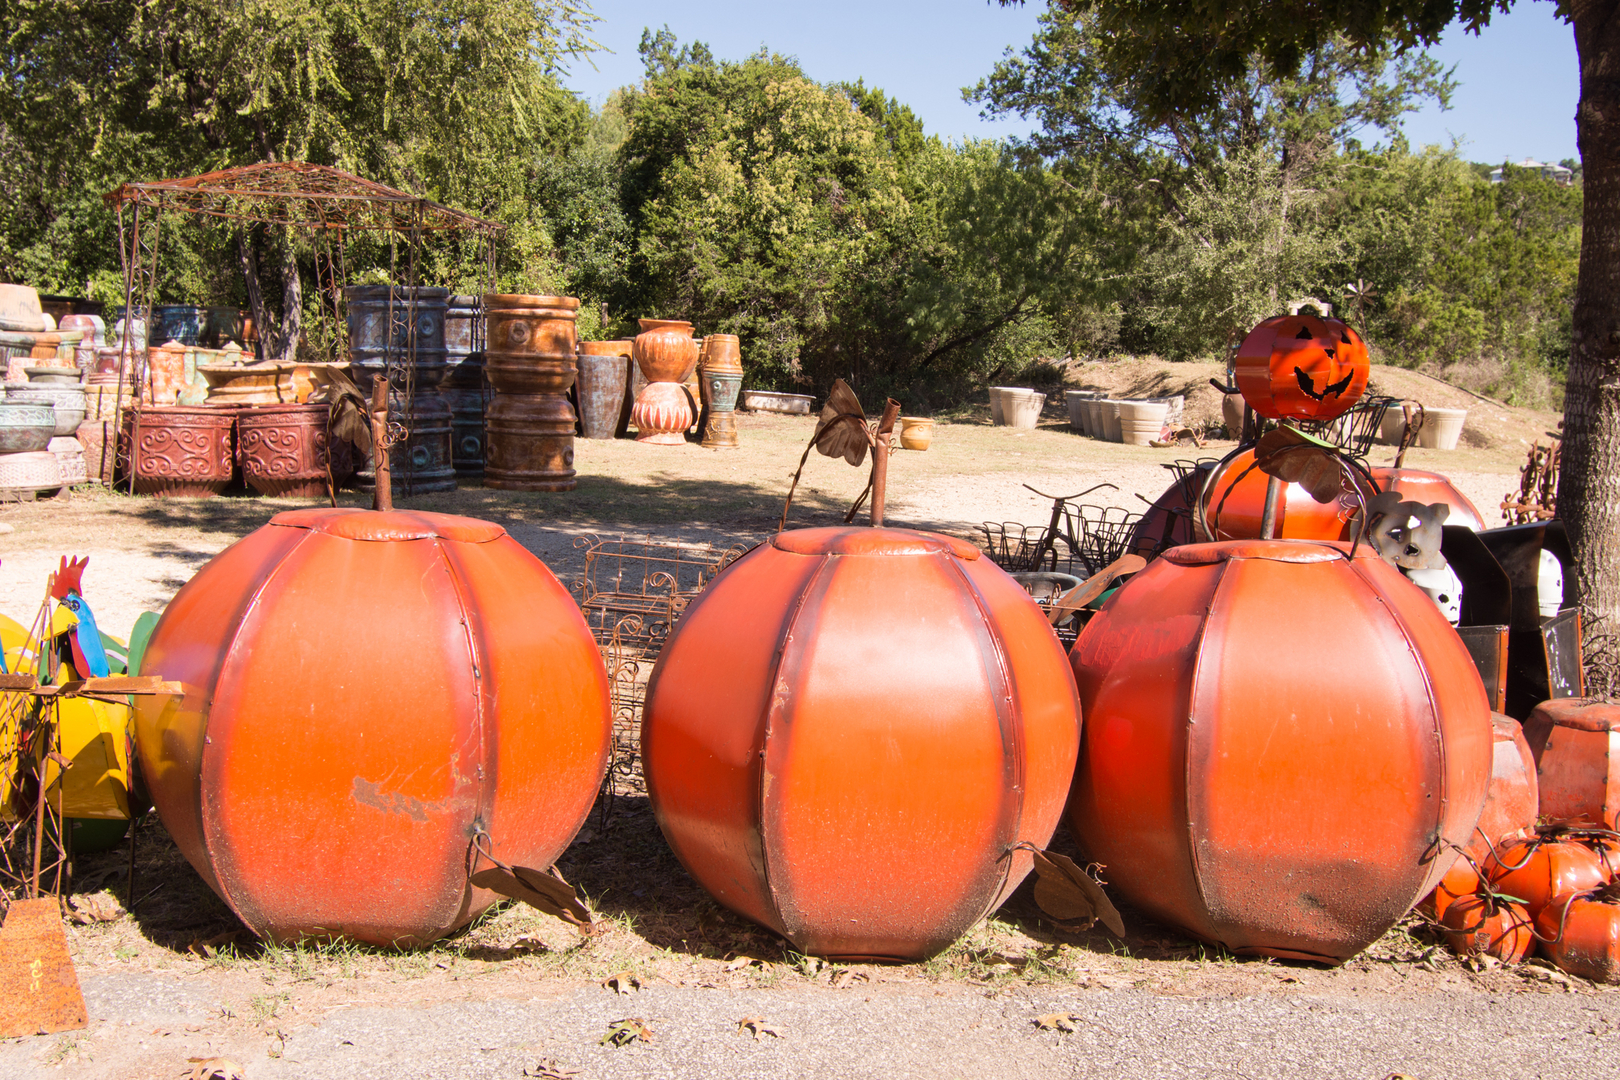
{"x": 39, "y": 990}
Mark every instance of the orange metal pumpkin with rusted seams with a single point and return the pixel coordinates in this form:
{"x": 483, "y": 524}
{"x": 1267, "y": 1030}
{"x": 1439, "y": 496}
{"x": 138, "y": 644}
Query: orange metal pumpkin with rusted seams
{"x": 1576, "y": 742}
{"x": 1581, "y": 934}
{"x": 365, "y": 692}
{"x": 1278, "y": 738}
{"x": 849, "y": 730}
{"x": 1236, "y": 502}
{"x": 1428, "y": 488}
{"x": 1301, "y": 367}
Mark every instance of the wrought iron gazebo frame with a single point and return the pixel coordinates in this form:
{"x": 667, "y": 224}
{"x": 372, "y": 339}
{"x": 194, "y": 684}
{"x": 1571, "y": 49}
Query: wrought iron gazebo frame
{"x": 325, "y": 202}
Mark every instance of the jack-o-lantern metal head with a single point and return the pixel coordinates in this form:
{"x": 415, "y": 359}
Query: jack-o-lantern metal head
{"x": 1302, "y": 367}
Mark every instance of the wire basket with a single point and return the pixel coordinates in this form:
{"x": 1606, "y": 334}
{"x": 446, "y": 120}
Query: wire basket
{"x": 1016, "y": 548}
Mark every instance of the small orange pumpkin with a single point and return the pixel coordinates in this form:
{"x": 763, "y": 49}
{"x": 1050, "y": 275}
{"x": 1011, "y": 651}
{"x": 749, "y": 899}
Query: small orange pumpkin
{"x": 1539, "y": 871}
{"x": 1460, "y": 881}
{"x": 1301, "y": 367}
{"x": 1486, "y": 925}
{"x": 1581, "y": 934}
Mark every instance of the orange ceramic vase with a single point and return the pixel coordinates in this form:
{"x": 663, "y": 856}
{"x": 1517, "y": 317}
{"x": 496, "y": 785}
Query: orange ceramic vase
{"x": 1278, "y": 740}
{"x": 849, "y": 730}
{"x": 367, "y": 695}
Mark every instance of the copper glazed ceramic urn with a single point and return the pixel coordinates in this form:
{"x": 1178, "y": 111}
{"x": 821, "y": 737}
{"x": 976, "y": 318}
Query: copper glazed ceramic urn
{"x": 1284, "y": 745}
{"x": 368, "y": 696}
{"x": 850, "y": 729}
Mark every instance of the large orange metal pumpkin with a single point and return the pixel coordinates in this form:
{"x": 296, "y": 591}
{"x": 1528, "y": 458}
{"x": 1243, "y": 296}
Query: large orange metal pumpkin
{"x": 1280, "y": 741}
{"x": 1236, "y": 502}
{"x": 1428, "y": 488}
{"x": 849, "y": 730}
{"x": 1301, "y": 367}
{"x": 366, "y": 694}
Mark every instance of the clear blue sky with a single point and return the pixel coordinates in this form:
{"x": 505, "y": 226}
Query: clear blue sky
{"x": 1516, "y": 99}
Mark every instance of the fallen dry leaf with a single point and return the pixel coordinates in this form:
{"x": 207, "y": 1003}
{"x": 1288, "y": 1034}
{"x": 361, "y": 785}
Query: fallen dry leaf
{"x": 546, "y": 891}
{"x": 549, "y": 1069}
{"x": 98, "y": 907}
{"x": 741, "y": 961}
{"x": 206, "y": 947}
{"x": 623, "y": 983}
{"x": 758, "y": 1026}
{"x": 214, "y": 1068}
{"x": 1069, "y": 894}
{"x": 846, "y": 977}
{"x": 626, "y": 1031}
{"x": 1058, "y": 1021}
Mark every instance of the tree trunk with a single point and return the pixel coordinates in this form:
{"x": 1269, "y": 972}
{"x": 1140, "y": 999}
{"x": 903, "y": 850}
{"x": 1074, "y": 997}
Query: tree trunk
{"x": 1589, "y": 479}
{"x": 250, "y": 273}
{"x": 292, "y": 304}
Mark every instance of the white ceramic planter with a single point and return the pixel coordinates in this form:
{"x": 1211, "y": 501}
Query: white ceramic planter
{"x": 771, "y": 401}
{"x": 1110, "y": 419}
{"x": 1140, "y": 422}
{"x": 1079, "y": 415}
{"x": 1441, "y": 428}
{"x": 1021, "y": 408}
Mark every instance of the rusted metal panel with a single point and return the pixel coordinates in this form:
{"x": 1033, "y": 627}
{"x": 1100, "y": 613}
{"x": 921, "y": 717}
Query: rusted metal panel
{"x": 1279, "y": 742}
{"x": 372, "y": 691}
{"x": 39, "y": 990}
{"x": 849, "y": 730}
{"x": 1576, "y": 744}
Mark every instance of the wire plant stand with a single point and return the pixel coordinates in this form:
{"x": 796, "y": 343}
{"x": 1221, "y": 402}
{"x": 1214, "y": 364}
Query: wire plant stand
{"x": 632, "y": 591}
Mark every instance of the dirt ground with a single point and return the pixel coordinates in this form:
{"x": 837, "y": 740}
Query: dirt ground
{"x": 522, "y": 994}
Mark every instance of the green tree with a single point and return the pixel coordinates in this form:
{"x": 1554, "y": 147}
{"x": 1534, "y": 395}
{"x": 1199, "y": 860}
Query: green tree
{"x": 1189, "y": 54}
{"x": 449, "y": 99}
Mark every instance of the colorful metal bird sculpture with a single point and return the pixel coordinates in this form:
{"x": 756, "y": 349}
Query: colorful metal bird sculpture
{"x": 74, "y": 620}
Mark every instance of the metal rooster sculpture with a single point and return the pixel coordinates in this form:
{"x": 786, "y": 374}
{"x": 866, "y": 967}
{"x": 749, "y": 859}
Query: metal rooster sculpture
{"x": 73, "y": 624}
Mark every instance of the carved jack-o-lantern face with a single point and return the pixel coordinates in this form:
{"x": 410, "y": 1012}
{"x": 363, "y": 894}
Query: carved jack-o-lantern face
{"x": 1301, "y": 367}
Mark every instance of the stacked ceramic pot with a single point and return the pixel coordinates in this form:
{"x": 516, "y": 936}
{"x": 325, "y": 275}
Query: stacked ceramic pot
{"x": 463, "y": 386}
{"x": 529, "y": 361}
{"x": 403, "y": 329}
{"x": 602, "y": 387}
{"x": 721, "y": 366}
{"x": 178, "y": 451}
{"x": 27, "y": 466}
{"x": 666, "y": 356}
{"x": 65, "y": 398}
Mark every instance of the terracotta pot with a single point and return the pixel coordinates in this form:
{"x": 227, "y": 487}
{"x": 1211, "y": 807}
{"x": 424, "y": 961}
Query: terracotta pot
{"x": 531, "y": 326}
{"x": 284, "y": 450}
{"x": 1576, "y": 744}
{"x": 530, "y": 443}
{"x": 269, "y": 383}
{"x": 1285, "y": 788}
{"x": 662, "y": 413}
{"x": 722, "y": 353}
{"x": 471, "y": 701}
{"x": 916, "y": 432}
{"x": 166, "y": 371}
{"x": 600, "y": 389}
{"x": 100, "y": 444}
{"x": 852, "y": 776}
{"x": 1232, "y": 415}
{"x": 1302, "y": 367}
{"x": 310, "y": 379}
{"x": 179, "y": 452}
{"x": 25, "y": 427}
{"x": 66, "y": 402}
{"x": 1141, "y": 422}
{"x": 1237, "y": 501}
{"x": 1442, "y": 428}
{"x": 514, "y": 373}
{"x": 665, "y": 351}
{"x": 1428, "y": 488}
